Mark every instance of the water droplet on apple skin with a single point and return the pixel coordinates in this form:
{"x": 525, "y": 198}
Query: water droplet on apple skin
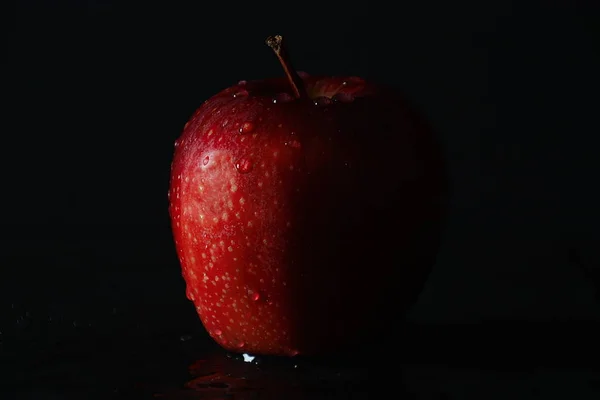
{"x": 293, "y": 352}
{"x": 190, "y": 294}
{"x": 218, "y": 332}
{"x": 247, "y": 127}
{"x": 322, "y": 101}
{"x": 254, "y": 296}
{"x": 343, "y": 98}
{"x": 293, "y": 144}
{"x": 244, "y": 166}
{"x": 282, "y": 98}
{"x": 353, "y": 80}
{"x": 240, "y": 93}
{"x": 205, "y": 160}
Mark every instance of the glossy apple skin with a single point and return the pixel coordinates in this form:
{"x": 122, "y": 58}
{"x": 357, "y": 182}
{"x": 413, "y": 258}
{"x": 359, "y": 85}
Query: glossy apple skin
{"x": 305, "y": 228}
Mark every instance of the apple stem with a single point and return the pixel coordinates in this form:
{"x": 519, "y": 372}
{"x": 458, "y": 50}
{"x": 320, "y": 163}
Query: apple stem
{"x": 276, "y": 44}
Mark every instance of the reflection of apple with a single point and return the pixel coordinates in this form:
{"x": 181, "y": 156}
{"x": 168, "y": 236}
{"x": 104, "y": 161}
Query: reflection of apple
{"x": 299, "y": 208}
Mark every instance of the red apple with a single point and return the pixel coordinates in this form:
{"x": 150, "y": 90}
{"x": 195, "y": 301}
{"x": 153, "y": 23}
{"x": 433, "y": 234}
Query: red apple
{"x": 305, "y": 211}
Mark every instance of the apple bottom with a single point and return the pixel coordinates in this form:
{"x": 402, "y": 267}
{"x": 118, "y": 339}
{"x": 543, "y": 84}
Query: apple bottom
{"x": 349, "y": 289}
{"x": 359, "y": 303}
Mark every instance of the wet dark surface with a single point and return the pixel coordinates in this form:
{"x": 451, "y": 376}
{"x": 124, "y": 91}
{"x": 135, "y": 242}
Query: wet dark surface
{"x": 125, "y": 355}
{"x": 122, "y": 328}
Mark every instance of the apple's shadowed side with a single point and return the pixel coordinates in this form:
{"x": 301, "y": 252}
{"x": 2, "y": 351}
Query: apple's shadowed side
{"x": 372, "y": 244}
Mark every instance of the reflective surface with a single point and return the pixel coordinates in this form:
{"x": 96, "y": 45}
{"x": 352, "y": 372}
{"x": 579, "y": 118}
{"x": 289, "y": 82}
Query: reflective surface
{"x": 500, "y": 361}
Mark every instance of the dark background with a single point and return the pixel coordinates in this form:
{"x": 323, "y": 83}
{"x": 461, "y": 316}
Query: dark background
{"x": 96, "y": 92}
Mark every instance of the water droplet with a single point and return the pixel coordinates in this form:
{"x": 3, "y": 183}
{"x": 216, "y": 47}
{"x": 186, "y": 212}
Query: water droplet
{"x": 205, "y": 161}
{"x": 293, "y": 352}
{"x": 241, "y": 344}
{"x": 176, "y": 143}
{"x": 282, "y": 98}
{"x": 353, "y": 80}
{"x": 218, "y": 332}
{"x": 244, "y": 165}
{"x": 322, "y": 101}
{"x": 343, "y": 97}
{"x": 242, "y": 83}
{"x": 190, "y": 295}
{"x": 303, "y": 74}
{"x": 246, "y": 127}
{"x": 254, "y": 296}
{"x": 240, "y": 93}
{"x": 294, "y": 143}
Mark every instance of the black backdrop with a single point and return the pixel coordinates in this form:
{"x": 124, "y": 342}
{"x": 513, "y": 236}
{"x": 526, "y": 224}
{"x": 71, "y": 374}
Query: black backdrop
{"x": 96, "y": 92}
